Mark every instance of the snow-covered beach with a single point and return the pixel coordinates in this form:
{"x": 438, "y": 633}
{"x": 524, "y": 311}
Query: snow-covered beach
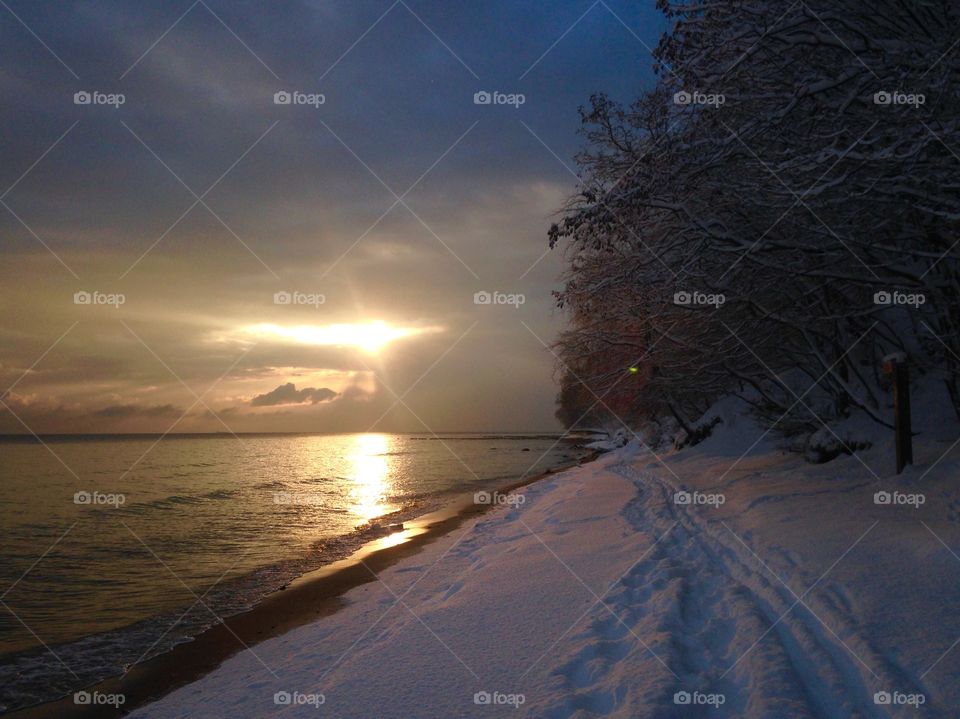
{"x": 769, "y": 587}
{"x": 425, "y": 359}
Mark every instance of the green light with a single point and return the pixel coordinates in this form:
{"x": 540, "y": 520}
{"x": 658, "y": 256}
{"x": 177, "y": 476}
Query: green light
{"x": 633, "y": 370}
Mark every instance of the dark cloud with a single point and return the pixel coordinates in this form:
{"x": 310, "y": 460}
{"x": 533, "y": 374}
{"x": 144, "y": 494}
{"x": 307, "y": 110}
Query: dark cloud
{"x": 126, "y": 411}
{"x": 289, "y": 394}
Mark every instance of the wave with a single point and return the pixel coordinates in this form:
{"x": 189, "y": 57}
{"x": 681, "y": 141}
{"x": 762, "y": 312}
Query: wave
{"x": 274, "y": 484}
{"x": 28, "y": 676}
{"x": 221, "y": 494}
{"x": 176, "y": 500}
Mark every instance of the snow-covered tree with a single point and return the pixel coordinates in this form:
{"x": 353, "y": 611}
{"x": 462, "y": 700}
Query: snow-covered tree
{"x": 797, "y": 161}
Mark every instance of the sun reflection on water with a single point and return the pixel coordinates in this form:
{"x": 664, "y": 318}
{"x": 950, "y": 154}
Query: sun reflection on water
{"x": 369, "y": 471}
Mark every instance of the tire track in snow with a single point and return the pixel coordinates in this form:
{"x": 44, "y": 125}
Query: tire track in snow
{"x": 727, "y": 625}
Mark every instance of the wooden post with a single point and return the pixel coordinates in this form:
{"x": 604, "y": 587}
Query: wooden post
{"x": 895, "y": 365}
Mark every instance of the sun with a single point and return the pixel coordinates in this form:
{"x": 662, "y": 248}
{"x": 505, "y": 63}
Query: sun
{"x": 371, "y": 337}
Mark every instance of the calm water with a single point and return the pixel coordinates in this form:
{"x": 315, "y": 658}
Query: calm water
{"x": 104, "y": 551}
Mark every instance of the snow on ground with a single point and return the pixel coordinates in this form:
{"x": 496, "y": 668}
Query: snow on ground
{"x": 781, "y": 589}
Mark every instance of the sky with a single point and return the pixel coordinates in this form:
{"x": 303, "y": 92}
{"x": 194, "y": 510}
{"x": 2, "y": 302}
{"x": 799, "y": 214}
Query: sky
{"x": 185, "y": 251}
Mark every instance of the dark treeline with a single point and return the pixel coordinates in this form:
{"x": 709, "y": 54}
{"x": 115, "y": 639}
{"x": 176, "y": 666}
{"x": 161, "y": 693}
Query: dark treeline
{"x": 774, "y": 217}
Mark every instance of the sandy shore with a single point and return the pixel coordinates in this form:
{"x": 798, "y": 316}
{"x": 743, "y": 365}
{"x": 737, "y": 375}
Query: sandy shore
{"x": 306, "y": 599}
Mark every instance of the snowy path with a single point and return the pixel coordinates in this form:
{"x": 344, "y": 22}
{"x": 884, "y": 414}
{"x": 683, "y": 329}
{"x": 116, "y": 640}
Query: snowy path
{"x": 769, "y": 649}
{"x": 600, "y": 596}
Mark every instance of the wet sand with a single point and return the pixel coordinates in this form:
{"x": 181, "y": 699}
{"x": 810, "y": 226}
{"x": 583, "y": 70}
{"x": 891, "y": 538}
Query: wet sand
{"x": 312, "y": 596}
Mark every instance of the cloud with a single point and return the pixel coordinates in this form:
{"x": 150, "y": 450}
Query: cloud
{"x": 118, "y": 411}
{"x": 289, "y": 394}
{"x": 199, "y": 99}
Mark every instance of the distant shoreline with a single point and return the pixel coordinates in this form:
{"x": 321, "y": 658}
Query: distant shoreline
{"x": 27, "y": 438}
{"x": 308, "y": 598}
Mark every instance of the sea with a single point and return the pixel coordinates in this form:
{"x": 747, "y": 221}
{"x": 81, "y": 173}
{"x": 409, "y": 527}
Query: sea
{"x": 115, "y": 548}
